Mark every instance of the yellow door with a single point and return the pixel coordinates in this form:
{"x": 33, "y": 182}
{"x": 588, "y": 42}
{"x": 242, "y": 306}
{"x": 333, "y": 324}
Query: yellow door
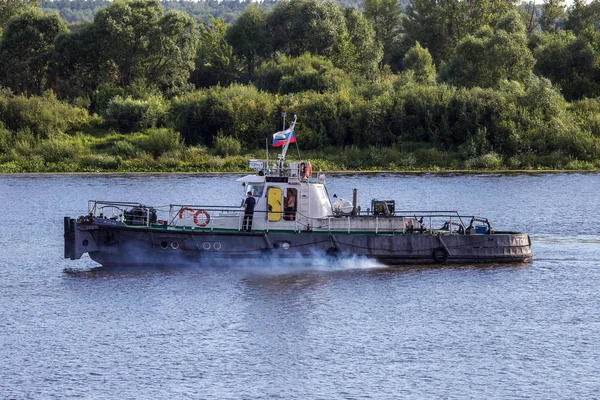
{"x": 274, "y": 203}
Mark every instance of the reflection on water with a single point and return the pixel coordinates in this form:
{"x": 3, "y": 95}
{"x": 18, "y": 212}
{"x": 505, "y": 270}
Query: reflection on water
{"x": 319, "y": 329}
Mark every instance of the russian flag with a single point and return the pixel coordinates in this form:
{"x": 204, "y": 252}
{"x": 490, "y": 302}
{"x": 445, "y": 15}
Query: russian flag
{"x": 280, "y": 138}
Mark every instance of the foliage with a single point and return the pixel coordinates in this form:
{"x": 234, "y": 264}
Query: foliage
{"x": 571, "y": 62}
{"x": 367, "y": 54}
{"x": 81, "y": 64}
{"x": 386, "y": 16}
{"x": 25, "y": 51}
{"x": 77, "y": 11}
{"x": 215, "y": 62}
{"x": 238, "y": 111}
{"x": 247, "y": 37}
{"x": 61, "y": 149}
{"x": 582, "y": 15}
{"x": 129, "y": 115}
{"x": 420, "y": 62}
{"x": 161, "y": 141}
{"x": 226, "y": 146}
{"x": 309, "y": 26}
{"x": 300, "y": 74}
{"x": 490, "y": 57}
{"x": 125, "y": 97}
{"x": 553, "y": 12}
{"x": 146, "y": 45}
{"x": 41, "y": 117}
{"x": 440, "y": 25}
{"x": 10, "y": 8}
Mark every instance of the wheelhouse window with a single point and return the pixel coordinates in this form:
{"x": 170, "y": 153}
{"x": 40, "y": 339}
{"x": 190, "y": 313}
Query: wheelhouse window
{"x": 257, "y": 190}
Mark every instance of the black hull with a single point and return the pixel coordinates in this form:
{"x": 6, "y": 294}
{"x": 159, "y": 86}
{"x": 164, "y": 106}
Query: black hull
{"x": 114, "y": 244}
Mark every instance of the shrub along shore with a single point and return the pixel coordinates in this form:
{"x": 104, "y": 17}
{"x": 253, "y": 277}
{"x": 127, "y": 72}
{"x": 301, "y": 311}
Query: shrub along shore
{"x": 465, "y": 132}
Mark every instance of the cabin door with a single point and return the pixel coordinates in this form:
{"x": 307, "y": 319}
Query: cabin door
{"x": 274, "y": 206}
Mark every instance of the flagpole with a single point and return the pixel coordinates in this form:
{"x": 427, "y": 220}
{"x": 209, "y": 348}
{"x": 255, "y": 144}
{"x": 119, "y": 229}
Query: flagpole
{"x": 287, "y": 142}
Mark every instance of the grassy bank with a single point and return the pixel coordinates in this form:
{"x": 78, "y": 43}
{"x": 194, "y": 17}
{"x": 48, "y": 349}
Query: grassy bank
{"x": 114, "y": 153}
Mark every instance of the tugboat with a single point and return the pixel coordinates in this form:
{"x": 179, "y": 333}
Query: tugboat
{"x": 293, "y": 218}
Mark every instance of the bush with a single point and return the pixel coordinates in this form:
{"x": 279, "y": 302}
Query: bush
{"x": 486, "y": 161}
{"x": 100, "y": 162}
{"x": 160, "y": 141}
{"x": 5, "y": 139}
{"x": 128, "y": 115}
{"x": 57, "y": 150}
{"x": 227, "y": 146}
{"x": 194, "y": 155}
{"x": 104, "y": 94}
{"x": 240, "y": 111}
{"x": 300, "y": 74}
{"x": 42, "y": 116}
{"x": 123, "y": 148}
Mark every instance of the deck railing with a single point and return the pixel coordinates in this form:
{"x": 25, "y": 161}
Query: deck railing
{"x": 186, "y": 216}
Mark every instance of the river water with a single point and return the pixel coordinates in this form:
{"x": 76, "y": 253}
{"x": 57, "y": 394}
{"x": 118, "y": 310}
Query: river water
{"x": 354, "y": 330}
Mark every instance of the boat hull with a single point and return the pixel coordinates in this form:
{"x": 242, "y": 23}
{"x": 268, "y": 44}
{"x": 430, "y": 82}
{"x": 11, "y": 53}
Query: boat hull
{"x": 110, "y": 243}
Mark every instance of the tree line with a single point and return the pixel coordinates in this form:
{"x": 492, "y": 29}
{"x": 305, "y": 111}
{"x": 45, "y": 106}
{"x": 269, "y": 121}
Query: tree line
{"x": 449, "y": 84}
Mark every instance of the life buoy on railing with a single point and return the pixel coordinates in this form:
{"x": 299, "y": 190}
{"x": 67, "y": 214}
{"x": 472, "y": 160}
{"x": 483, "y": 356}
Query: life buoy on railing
{"x": 183, "y": 209}
{"x": 307, "y": 170}
{"x": 206, "y": 218}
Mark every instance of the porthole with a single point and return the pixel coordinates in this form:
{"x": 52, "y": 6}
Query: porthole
{"x": 174, "y": 245}
{"x": 206, "y": 246}
{"x": 164, "y": 244}
{"x": 217, "y": 246}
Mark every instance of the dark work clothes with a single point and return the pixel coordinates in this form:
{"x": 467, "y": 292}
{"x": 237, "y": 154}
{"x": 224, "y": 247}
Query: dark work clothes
{"x": 248, "y": 213}
{"x": 250, "y": 202}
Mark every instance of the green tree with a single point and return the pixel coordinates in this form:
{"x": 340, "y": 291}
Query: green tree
{"x": 301, "y": 74}
{"x": 440, "y": 24}
{"x": 552, "y": 13}
{"x": 581, "y": 15}
{"x": 490, "y": 57}
{"x": 313, "y": 26}
{"x": 571, "y": 62}
{"x": 386, "y": 17}
{"x": 81, "y": 63}
{"x": 247, "y": 36}
{"x": 10, "y": 8}
{"x": 26, "y": 48}
{"x": 148, "y": 48}
{"x": 215, "y": 61}
{"x": 171, "y": 53}
{"x": 367, "y": 51}
{"x": 418, "y": 60}
{"x": 128, "y": 28}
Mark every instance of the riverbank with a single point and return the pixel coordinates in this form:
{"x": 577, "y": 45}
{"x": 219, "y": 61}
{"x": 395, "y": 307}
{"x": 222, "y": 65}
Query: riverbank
{"x": 136, "y": 154}
{"x": 337, "y": 172}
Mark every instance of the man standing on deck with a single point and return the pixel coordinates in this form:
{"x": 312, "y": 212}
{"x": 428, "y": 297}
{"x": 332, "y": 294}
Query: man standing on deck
{"x": 248, "y": 212}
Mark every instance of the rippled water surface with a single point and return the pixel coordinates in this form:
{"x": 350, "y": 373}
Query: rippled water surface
{"x": 355, "y": 330}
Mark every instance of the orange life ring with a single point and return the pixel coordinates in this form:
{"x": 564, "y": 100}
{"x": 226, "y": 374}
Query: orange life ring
{"x": 206, "y": 218}
{"x": 307, "y": 170}
{"x": 183, "y": 209}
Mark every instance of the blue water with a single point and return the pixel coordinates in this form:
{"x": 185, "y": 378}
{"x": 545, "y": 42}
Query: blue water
{"x": 323, "y": 331}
